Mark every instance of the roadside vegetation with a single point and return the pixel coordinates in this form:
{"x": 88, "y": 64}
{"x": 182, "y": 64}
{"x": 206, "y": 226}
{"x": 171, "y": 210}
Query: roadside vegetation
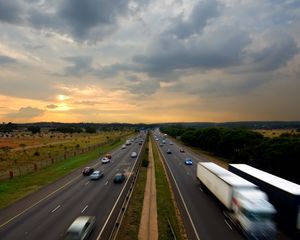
{"x": 277, "y": 155}
{"x": 18, "y": 187}
{"x": 131, "y": 222}
{"x": 168, "y": 219}
{"x": 22, "y": 149}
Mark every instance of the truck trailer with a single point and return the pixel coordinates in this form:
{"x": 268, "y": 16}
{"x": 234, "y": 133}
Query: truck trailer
{"x": 246, "y": 205}
{"x": 283, "y": 194}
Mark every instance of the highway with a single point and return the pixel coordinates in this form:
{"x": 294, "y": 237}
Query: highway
{"x": 47, "y": 213}
{"x": 201, "y": 212}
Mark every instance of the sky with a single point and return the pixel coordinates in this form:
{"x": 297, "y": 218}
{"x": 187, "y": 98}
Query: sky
{"x": 149, "y": 60}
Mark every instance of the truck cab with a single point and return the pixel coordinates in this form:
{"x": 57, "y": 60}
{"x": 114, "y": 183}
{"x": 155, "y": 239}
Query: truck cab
{"x": 254, "y": 214}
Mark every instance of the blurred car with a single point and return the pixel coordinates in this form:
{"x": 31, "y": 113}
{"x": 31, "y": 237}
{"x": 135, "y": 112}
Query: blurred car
{"x": 133, "y": 154}
{"x": 87, "y": 171}
{"x": 81, "y": 228}
{"x": 181, "y": 150}
{"x": 123, "y": 146}
{"x": 105, "y": 160}
{"x": 188, "y": 161}
{"x": 161, "y": 145}
{"x": 96, "y": 175}
{"x": 108, "y": 155}
{"x": 169, "y": 151}
{"x": 171, "y": 143}
{"x": 119, "y": 177}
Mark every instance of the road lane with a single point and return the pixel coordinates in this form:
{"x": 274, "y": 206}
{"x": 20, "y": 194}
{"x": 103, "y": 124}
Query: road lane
{"x": 99, "y": 196}
{"x": 205, "y": 211}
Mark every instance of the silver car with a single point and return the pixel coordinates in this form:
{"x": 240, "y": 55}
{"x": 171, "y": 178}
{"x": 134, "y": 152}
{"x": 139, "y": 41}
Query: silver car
{"x": 96, "y": 175}
{"x": 81, "y": 228}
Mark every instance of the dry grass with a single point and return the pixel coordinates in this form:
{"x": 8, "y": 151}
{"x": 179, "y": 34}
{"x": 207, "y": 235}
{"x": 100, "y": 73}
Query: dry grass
{"x": 19, "y": 149}
{"x": 274, "y": 132}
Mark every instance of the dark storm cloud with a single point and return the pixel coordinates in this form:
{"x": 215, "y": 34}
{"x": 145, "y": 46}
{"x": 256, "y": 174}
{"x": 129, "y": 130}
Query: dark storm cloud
{"x": 218, "y": 49}
{"x": 202, "y": 12}
{"x": 11, "y": 11}
{"x": 279, "y": 51}
{"x": 84, "y": 21}
{"x": 5, "y": 60}
{"x": 26, "y": 112}
{"x": 85, "y": 17}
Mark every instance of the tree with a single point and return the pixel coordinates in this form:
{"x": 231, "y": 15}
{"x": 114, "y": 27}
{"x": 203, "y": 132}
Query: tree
{"x": 90, "y": 129}
{"x": 34, "y": 129}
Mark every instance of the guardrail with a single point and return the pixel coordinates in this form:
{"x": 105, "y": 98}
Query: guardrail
{"x": 114, "y": 220}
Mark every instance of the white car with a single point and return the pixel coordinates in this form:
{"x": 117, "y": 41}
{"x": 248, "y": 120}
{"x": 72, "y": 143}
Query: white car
{"x": 81, "y": 228}
{"x": 105, "y": 160}
{"x": 133, "y": 154}
{"x": 123, "y": 146}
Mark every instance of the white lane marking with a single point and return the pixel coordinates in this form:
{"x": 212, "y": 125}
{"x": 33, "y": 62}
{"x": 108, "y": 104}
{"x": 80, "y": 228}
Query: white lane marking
{"x": 55, "y": 209}
{"x": 84, "y": 208}
{"x": 184, "y": 204}
{"x": 106, "y": 183}
{"x": 112, "y": 210}
{"x": 228, "y": 224}
{"x": 87, "y": 183}
{"x": 201, "y": 189}
{"x": 49, "y": 195}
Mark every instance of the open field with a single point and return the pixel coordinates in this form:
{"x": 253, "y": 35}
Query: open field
{"x": 275, "y": 132}
{"x": 19, "y": 149}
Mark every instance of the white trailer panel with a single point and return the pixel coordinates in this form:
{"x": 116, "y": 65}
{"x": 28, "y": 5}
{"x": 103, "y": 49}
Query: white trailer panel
{"x": 221, "y": 182}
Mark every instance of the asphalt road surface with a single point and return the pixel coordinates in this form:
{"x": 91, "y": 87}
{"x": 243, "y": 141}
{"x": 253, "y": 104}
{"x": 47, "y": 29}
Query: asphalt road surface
{"x": 47, "y": 213}
{"x": 202, "y": 213}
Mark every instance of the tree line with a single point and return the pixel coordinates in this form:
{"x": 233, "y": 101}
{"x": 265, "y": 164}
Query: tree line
{"x": 279, "y": 156}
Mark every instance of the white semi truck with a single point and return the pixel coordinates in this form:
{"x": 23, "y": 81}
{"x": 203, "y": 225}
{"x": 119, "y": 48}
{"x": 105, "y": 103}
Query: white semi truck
{"x": 246, "y": 205}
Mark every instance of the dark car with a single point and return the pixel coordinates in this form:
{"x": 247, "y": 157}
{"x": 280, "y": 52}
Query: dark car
{"x": 169, "y": 151}
{"x": 119, "y": 178}
{"x": 87, "y": 171}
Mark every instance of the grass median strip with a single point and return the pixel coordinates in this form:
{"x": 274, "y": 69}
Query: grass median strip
{"x": 18, "y": 187}
{"x": 131, "y": 222}
{"x": 165, "y": 205}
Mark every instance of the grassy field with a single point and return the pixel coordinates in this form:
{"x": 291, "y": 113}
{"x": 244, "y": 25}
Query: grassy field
{"x": 131, "y": 222}
{"x": 19, "y": 149}
{"x": 19, "y": 187}
{"x": 274, "y": 132}
{"x": 165, "y": 204}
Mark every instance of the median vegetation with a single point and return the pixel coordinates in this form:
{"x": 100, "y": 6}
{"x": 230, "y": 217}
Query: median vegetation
{"x": 18, "y": 187}
{"x": 277, "y": 155}
{"x": 129, "y": 229}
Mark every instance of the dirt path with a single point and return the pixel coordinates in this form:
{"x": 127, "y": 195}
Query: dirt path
{"x": 148, "y": 227}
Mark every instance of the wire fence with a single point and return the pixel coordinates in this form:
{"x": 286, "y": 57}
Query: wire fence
{"x": 30, "y": 167}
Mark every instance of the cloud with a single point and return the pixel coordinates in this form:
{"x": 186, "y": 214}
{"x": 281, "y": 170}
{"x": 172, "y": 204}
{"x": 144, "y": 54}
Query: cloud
{"x": 144, "y": 87}
{"x": 80, "y": 65}
{"x": 5, "y": 60}
{"x": 52, "y": 106}
{"x": 201, "y": 13}
{"x": 11, "y": 11}
{"x": 87, "y": 18}
{"x": 26, "y": 113}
